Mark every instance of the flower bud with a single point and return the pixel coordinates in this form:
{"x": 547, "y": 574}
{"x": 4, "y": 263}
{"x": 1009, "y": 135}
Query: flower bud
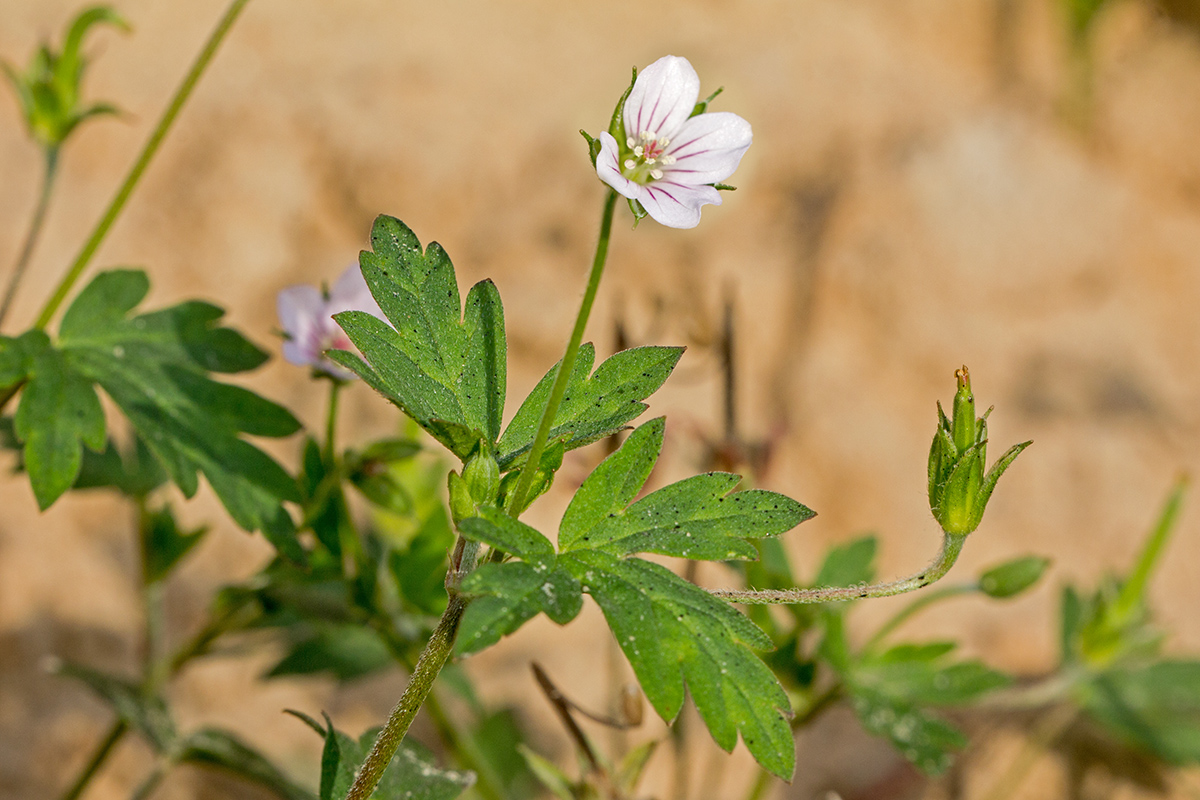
{"x": 959, "y": 489}
{"x": 482, "y": 476}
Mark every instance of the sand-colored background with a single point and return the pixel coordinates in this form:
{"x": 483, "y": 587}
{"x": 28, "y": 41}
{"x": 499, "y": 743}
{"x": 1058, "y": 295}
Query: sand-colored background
{"x": 913, "y": 200}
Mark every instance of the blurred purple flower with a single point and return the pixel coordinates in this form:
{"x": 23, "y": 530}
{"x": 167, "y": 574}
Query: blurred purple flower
{"x": 670, "y": 159}
{"x": 306, "y": 314}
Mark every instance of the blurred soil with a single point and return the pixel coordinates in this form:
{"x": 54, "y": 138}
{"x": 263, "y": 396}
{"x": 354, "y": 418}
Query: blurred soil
{"x": 920, "y": 194}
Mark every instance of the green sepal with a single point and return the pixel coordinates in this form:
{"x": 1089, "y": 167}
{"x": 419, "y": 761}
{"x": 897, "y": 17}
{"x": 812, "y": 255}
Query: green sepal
{"x": 616, "y": 126}
{"x": 594, "y": 146}
{"x": 702, "y": 105}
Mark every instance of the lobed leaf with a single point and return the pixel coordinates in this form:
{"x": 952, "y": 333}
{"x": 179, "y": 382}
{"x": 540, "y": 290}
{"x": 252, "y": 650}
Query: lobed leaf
{"x": 155, "y": 367}
{"x": 594, "y": 406}
{"x": 515, "y": 593}
{"x": 695, "y": 518}
{"x": 58, "y": 415}
{"x": 445, "y": 369}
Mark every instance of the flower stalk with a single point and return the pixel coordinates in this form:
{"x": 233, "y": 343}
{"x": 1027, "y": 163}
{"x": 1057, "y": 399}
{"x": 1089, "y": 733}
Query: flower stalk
{"x": 49, "y": 172}
{"x": 73, "y": 273}
{"x": 951, "y": 547}
{"x": 520, "y": 499}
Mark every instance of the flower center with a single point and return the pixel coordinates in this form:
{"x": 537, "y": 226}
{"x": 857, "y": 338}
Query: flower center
{"x": 645, "y": 157}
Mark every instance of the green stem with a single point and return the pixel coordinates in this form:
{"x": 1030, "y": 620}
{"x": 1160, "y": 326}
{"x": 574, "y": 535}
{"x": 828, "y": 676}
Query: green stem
{"x": 567, "y": 365}
{"x": 98, "y": 758}
{"x": 148, "y": 151}
{"x": 951, "y": 547}
{"x": 915, "y": 607}
{"x": 420, "y": 683}
{"x": 35, "y": 229}
{"x": 335, "y": 387}
{"x": 147, "y": 787}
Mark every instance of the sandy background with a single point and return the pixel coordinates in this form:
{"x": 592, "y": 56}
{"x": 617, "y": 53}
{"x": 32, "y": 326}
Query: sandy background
{"x": 913, "y": 200}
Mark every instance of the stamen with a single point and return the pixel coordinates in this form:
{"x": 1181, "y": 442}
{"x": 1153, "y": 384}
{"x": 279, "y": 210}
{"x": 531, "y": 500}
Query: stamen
{"x": 630, "y": 163}
{"x": 667, "y": 160}
{"x": 656, "y": 174}
{"x": 629, "y": 142}
{"x": 663, "y": 142}
{"x": 639, "y": 151}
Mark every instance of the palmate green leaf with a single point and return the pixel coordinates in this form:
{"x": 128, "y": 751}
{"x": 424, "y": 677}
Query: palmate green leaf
{"x": 444, "y": 366}
{"x": 517, "y": 591}
{"x": 695, "y": 518}
{"x": 593, "y": 407}
{"x": 155, "y": 367}
{"x": 411, "y": 775}
{"x": 674, "y": 632}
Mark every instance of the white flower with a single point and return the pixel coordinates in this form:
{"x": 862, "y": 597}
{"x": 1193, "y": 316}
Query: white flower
{"x": 306, "y": 315}
{"x": 670, "y": 159}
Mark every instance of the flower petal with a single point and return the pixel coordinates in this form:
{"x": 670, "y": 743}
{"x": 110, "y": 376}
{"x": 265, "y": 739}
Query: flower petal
{"x": 299, "y": 309}
{"x": 608, "y": 167}
{"x": 351, "y": 293}
{"x": 662, "y": 98}
{"x": 676, "y": 205}
{"x": 708, "y": 148}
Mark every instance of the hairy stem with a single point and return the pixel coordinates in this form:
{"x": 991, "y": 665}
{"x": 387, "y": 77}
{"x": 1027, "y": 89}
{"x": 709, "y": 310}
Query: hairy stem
{"x": 135, "y": 173}
{"x": 951, "y": 547}
{"x": 567, "y": 365}
{"x": 420, "y": 683}
{"x": 335, "y": 387}
{"x": 35, "y": 230}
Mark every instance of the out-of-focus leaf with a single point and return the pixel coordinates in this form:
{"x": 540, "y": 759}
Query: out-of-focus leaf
{"x": 155, "y": 367}
{"x": 548, "y": 774}
{"x": 926, "y": 741}
{"x": 163, "y": 544}
{"x": 59, "y": 414}
{"x": 344, "y": 651}
{"x": 147, "y": 715}
{"x": 411, "y": 775}
{"x": 1154, "y": 707}
{"x": 212, "y": 747}
{"x": 848, "y": 564}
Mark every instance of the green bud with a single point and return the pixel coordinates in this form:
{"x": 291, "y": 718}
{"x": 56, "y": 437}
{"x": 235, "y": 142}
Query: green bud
{"x": 1012, "y": 577}
{"x": 462, "y": 505}
{"x": 482, "y": 476}
{"x": 959, "y": 488}
{"x": 49, "y": 88}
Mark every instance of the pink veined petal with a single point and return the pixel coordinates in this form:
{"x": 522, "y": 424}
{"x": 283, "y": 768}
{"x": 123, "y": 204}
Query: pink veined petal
{"x": 608, "y": 168}
{"x": 663, "y": 96}
{"x": 676, "y": 205}
{"x": 708, "y": 148}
